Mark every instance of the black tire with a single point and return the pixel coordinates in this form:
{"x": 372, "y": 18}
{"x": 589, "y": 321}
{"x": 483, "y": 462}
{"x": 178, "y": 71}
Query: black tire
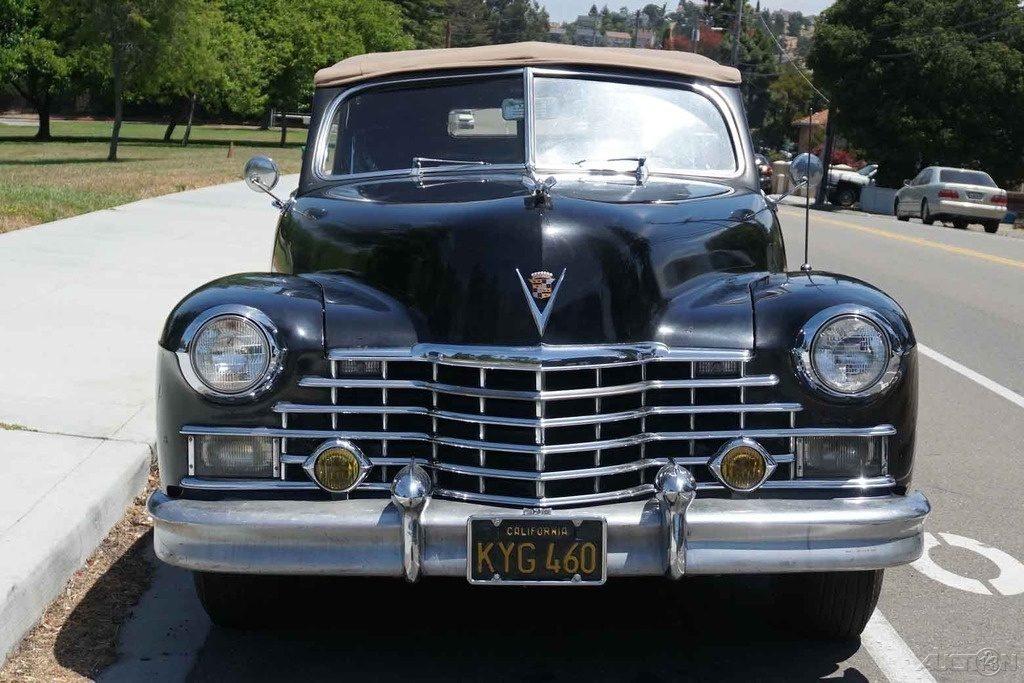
{"x": 991, "y": 226}
{"x": 926, "y": 215}
{"x": 832, "y": 605}
{"x": 896, "y": 212}
{"x": 846, "y": 197}
{"x": 959, "y": 224}
{"x": 238, "y": 601}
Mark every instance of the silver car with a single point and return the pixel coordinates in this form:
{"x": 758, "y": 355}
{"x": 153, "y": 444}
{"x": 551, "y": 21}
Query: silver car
{"x": 953, "y": 195}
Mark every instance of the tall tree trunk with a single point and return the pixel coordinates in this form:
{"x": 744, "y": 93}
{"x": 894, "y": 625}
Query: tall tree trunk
{"x": 43, "y": 108}
{"x": 284, "y": 129}
{"x": 171, "y": 125}
{"x": 115, "y": 133}
{"x": 188, "y": 126}
{"x": 268, "y": 118}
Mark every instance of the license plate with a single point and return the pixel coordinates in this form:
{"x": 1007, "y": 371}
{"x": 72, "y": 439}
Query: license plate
{"x": 541, "y": 550}
{"x": 974, "y": 195}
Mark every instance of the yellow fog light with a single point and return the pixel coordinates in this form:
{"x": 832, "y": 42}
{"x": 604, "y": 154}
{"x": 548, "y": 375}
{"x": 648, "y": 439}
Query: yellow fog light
{"x": 337, "y": 466}
{"x": 743, "y": 465}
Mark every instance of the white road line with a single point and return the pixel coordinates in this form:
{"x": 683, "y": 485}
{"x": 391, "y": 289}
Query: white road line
{"x": 994, "y": 387}
{"x": 891, "y": 653}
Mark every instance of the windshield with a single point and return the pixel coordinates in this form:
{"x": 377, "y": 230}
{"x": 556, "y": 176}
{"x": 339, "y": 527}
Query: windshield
{"x": 578, "y": 123}
{"x": 950, "y": 175}
{"x": 868, "y": 170}
{"x": 675, "y": 130}
{"x": 469, "y": 121}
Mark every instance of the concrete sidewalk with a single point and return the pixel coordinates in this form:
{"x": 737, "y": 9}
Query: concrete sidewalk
{"x": 82, "y": 306}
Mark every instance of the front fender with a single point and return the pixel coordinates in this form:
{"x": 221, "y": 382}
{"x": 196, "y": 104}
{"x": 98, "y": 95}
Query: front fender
{"x": 295, "y": 307}
{"x": 783, "y": 304}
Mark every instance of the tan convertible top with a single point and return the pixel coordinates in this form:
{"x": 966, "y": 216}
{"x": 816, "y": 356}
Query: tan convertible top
{"x": 374, "y": 64}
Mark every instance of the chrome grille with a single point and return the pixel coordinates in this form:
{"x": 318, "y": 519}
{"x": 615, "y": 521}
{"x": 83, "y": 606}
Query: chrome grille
{"x": 544, "y": 426}
{"x": 539, "y": 426}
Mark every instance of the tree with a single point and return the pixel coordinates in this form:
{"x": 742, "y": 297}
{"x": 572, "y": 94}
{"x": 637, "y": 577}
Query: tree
{"x": 195, "y": 63}
{"x": 36, "y": 58}
{"x": 133, "y": 33}
{"x": 469, "y": 22}
{"x": 513, "y": 21}
{"x": 789, "y": 98}
{"x": 301, "y": 36}
{"x": 926, "y": 81}
{"x": 424, "y": 21}
{"x": 795, "y": 24}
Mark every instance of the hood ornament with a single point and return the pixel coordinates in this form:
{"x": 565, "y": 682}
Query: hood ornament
{"x": 541, "y": 287}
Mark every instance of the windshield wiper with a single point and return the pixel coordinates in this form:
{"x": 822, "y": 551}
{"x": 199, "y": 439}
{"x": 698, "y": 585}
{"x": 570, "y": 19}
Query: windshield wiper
{"x": 417, "y": 163}
{"x": 640, "y": 174}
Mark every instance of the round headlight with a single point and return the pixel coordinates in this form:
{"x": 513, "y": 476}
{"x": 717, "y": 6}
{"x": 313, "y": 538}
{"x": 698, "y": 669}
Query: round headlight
{"x": 848, "y": 351}
{"x": 230, "y": 354}
{"x": 850, "y": 354}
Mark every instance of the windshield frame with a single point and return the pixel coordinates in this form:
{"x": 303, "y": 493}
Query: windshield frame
{"x": 321, "y": 136}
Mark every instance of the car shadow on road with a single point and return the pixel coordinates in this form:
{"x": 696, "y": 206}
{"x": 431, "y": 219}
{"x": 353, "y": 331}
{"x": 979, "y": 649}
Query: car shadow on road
{"x": 633, "y": 630}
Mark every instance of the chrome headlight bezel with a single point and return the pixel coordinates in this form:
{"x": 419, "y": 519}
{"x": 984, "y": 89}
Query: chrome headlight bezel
{"x": 804, "y": 348}
{"x": 252, "y": 315}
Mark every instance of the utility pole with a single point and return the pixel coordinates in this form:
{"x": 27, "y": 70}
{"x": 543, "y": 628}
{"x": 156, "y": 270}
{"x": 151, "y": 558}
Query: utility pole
{"x": 736, "y": 35}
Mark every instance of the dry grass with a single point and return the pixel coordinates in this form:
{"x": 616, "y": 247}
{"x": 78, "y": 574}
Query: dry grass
{"x": 77, "y": 635}
{"x": 45, "y": 181}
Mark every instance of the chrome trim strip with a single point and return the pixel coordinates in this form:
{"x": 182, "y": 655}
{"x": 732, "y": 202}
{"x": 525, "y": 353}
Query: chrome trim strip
{"x": 549, "y": 475}
{"x": 205, "y": 484}
{"x": 585, "y": 499}
{"x": 550, "y": 357}
{"x": 198, "y": 483}
{"x": 538, "y": 422}
{"x": 880, "y": 430}
{"x": 560, "y": 395}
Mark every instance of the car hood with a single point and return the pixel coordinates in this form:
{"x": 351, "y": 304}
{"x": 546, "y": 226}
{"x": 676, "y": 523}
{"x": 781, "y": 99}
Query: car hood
{"x": 456, "y": 255}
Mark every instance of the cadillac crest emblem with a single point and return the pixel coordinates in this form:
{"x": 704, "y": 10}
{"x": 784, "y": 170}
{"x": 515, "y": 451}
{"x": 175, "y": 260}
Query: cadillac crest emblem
{"x": 542, "y": 283}
{"x": 541, "y": 288}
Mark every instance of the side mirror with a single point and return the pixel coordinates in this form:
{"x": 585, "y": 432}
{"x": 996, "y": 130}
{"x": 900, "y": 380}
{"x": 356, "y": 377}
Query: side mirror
{"x": 906, "y": 183}
{"x": 806, "y": 168}
{"x": 261, "y": 174}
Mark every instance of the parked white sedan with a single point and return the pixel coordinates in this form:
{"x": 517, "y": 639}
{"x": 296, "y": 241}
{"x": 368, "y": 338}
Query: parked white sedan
{"x": 955, "y": 195}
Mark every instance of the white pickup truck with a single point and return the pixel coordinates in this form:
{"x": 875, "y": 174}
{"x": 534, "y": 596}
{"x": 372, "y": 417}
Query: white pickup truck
{"x": 845, "y": 184}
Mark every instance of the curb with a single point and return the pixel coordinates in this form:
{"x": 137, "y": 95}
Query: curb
{"x": 52, "y": 541}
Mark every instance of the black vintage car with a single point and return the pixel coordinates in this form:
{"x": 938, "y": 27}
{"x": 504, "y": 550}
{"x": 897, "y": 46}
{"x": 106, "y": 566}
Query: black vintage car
{"x": 529, "y": 322}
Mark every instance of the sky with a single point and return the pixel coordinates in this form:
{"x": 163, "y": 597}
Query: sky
{"x": 565, "y": 10}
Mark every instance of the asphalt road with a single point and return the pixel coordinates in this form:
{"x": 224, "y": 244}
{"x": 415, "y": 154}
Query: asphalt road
{"x": 956, "y": 616}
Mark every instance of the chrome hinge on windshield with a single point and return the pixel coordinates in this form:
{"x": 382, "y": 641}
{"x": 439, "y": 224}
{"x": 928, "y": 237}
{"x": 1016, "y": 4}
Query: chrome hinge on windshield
{"x": 417, "y": 163}
{"x": 641, "y": 174}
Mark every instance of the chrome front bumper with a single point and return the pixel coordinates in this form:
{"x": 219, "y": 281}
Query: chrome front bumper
{"x": 645, "y": 538}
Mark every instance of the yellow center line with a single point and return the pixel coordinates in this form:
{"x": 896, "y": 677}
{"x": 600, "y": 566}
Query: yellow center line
{"x": 963, "y": 251}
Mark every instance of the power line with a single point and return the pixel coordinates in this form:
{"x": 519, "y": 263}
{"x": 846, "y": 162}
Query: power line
{"x": 795, "y": 65}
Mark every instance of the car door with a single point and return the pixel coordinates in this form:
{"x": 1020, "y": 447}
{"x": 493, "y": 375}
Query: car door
{"x": 907, "y": 204}
{"x": 929, "y": 190}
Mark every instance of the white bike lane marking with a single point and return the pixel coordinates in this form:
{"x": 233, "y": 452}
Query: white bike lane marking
{"x": 1011, "y": 572}
{"x": 976, "y": 377}
{"x": 894, "y": 658}
{"x": 883, "y": 643}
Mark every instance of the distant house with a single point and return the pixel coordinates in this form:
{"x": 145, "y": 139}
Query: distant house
{"x": 645, "y": 38}
{"x": 810, "y": 128}
{"x": 556, "y": 33}
{"x": 618, "y": 39}
{"x": 587, "y": 30}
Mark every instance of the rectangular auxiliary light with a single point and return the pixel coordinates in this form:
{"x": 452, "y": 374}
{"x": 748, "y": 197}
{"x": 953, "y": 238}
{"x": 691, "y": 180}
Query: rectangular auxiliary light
{"x": 247, "y": 457}
{"x": 840, "y": 457}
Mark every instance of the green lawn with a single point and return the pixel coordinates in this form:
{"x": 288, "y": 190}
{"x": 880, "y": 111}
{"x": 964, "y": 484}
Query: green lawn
{"x": 44, "y": 181}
